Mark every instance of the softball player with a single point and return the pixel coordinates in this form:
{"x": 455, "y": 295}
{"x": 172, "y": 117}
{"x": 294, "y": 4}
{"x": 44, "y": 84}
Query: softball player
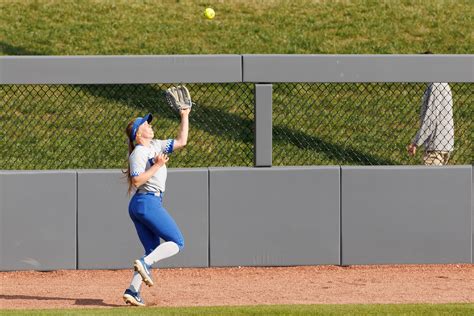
{"x": 146, "y": 175}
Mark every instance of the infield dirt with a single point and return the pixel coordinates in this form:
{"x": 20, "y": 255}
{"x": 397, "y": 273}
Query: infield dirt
{"x": 453, "y": 283}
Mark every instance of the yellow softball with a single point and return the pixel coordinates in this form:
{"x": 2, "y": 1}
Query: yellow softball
{"x": 209, "y": 13}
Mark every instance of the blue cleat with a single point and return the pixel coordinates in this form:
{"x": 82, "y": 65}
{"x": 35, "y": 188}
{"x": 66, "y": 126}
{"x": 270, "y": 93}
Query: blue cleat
{"x": 144, "y": 270}
{"x": 133, "y": 298}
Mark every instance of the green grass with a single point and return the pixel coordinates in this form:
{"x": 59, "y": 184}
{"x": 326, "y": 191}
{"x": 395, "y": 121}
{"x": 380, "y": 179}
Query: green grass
{"x": 358, "y": 124}
{"x": 404, "y": 309}
{"x": 82, "y": 126}
{"x": 241, "y": 27}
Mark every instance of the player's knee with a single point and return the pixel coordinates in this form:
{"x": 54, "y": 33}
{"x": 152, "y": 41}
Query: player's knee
{"x": 179, "y": 242}
{"x": 178, "y": 239}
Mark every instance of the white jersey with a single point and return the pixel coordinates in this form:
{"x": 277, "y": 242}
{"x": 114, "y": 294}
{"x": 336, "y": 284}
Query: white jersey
{"x": 141, "y": 159}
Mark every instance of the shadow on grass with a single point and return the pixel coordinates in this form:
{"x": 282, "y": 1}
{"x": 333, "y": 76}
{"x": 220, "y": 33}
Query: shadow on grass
{"x": 341, "y": 154}
{"x": 231, "y": 126}
{"x": 7, "y": 49}
{"x": 148, "y": 98}
{"x": 77, "y": 301}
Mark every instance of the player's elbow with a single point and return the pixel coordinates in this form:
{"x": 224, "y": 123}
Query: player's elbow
{"x": 135, "y": 182}
{"x": 180, "y": 143}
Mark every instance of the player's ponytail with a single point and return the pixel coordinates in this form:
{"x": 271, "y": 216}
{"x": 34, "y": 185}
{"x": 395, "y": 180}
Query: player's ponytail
{"x": 131, "y": 147}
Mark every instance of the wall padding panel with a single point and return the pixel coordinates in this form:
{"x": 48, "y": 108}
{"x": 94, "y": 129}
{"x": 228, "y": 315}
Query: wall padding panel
{"x": 38, "y": 220}
{"x": 107, "y": 236}
{"x": 187, "y": 200}
{"x": 406, "y": 214}
{"x": 274, "y": 216}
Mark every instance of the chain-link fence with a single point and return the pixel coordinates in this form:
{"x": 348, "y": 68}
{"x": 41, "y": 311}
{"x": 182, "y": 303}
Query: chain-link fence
{"x": 82, "y": 126}
{"x": 371, "y": 123}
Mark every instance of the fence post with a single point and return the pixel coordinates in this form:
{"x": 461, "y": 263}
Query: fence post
{"x": 263, "y": 125}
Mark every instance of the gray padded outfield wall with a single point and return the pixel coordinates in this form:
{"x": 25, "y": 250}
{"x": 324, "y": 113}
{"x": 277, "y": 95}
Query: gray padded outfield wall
{"x": 107, "y": 237}
{"x": 243, "y": 216}
{"x": 38, "y": 220}
{"x": 358, "y": 68}
{"x": 186, "y": 199}
{"x": 406, "y": 215}
{"x": 235, "y": 68}
{"x": 120, "y": 69}
{"x": 274, "y": 216}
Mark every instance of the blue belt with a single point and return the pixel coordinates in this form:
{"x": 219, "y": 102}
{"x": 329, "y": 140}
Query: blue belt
{"x": 158, "y": 193}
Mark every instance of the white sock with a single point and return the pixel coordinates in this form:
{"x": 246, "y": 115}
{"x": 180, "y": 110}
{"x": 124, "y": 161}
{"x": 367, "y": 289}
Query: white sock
{"x": 165, "y": 250}
{"x": 136, "y": 282}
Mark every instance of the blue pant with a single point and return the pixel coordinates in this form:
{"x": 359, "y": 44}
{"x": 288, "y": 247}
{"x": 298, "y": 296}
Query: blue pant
{"x": 153, "y": 222}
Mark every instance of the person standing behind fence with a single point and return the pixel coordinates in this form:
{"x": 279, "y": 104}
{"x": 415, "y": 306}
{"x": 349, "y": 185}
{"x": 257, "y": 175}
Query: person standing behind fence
{"x": 436, "y": 132}
{"x": 147, "y": 174}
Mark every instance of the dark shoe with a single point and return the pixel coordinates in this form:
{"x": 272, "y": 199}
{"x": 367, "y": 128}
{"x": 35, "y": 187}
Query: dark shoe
{"x": 133, "y": 298}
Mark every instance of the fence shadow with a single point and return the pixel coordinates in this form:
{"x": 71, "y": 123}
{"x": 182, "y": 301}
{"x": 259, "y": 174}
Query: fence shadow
{"x": 150, "y": 99}
{"x": 8, "y": 49}
{"x": 344, "y": 154}
{"x": 147, "y": 98}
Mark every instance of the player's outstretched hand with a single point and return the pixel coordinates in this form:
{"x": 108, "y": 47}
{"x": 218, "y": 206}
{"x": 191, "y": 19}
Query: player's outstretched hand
{"x": 161, "y": 159}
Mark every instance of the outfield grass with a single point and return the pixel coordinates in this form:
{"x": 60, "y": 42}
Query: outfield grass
{"x": 82, "y": 126}
{"x": 54, "y": 27}
{"x": 326, "y": 310}
{"x": 359, "y": 124}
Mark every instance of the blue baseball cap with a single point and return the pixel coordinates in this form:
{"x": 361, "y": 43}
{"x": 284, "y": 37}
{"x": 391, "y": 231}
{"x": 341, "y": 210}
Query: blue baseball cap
{"x": 139, "y": 121}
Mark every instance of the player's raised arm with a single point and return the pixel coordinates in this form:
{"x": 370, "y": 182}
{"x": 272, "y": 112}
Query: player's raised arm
{"x": 179, "y": 99}
{"x": 182, "y": 138}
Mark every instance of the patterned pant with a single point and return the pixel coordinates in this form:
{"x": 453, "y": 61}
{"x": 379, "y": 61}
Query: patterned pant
{"x": 436, "y": 158}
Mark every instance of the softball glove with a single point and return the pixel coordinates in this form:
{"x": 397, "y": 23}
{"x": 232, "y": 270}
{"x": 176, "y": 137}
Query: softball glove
{"x": 178, "y": 98}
